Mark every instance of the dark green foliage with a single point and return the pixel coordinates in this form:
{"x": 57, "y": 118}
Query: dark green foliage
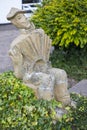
{"x": 76, "y": 118}
{"x": 20, "y": 110}
{"x": 65, "y": 21}
{"x": 79, "y": 115}
{"x": 72, "y": 60}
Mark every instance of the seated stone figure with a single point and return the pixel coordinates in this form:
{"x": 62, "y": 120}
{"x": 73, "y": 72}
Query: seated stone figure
{"x": 30, "y": 53}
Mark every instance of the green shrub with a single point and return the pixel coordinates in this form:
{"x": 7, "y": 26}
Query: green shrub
{"x": 72, "y": 60}
{"x": 65, "y": 21}
{"x": 76, "y": 118}
{"x": 20, "y": 110}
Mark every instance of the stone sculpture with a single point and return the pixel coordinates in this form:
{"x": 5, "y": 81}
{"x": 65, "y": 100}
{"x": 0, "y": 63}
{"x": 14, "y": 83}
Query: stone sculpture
{"x": 30, "y": 53}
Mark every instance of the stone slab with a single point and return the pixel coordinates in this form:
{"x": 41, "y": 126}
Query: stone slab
{"x": 80, "y": 88}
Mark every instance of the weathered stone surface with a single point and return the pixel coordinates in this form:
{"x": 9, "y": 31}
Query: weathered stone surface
{"x": 42, "y": 83}
{"x": 30, "y": 53}
{"x": 80, "y": 88}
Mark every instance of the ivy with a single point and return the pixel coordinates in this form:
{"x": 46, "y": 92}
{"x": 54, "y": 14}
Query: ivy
{"x": 20, "y": 110}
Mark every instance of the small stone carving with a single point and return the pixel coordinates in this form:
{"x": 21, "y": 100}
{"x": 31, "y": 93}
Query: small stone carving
{"x": 30, "y": 53}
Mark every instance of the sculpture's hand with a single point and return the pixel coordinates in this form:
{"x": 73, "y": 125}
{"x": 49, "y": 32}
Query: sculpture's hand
{"x": 16, "y": 56}
{"x": 17, "y": 59}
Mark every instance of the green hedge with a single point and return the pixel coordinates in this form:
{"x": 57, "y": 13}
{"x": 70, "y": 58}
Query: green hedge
{"x": 20, "y": 110}
{"x": 65, "y": 21}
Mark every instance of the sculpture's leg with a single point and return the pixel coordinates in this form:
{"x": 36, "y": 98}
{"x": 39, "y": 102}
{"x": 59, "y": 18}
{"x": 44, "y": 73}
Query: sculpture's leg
{"x": 60, "y": 89}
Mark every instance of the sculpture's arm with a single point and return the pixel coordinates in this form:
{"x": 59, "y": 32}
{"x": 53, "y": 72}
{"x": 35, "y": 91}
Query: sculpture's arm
{"x": 32, "y": 25}
{"x": 17, "y": 60}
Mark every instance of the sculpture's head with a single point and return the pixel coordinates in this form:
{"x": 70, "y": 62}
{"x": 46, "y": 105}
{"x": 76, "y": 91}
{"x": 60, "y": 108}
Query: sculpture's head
{"x": 18, "y": 18}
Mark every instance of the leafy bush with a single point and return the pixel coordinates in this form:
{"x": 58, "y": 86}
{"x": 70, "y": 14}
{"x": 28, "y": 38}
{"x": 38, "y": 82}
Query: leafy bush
{"x": 20, "y": 110}
{"x": 76, "y": 118}
{"x": 72, "y": 60}
{"x": 65, "y": 21}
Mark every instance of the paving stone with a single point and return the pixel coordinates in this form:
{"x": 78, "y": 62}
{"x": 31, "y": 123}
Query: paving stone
{"x": 7, "y": 35}
{"x": 80, "y": 88}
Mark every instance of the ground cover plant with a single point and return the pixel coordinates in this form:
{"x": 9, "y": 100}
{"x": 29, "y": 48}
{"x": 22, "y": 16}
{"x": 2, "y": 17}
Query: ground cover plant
{"x": 20, "y": 110}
